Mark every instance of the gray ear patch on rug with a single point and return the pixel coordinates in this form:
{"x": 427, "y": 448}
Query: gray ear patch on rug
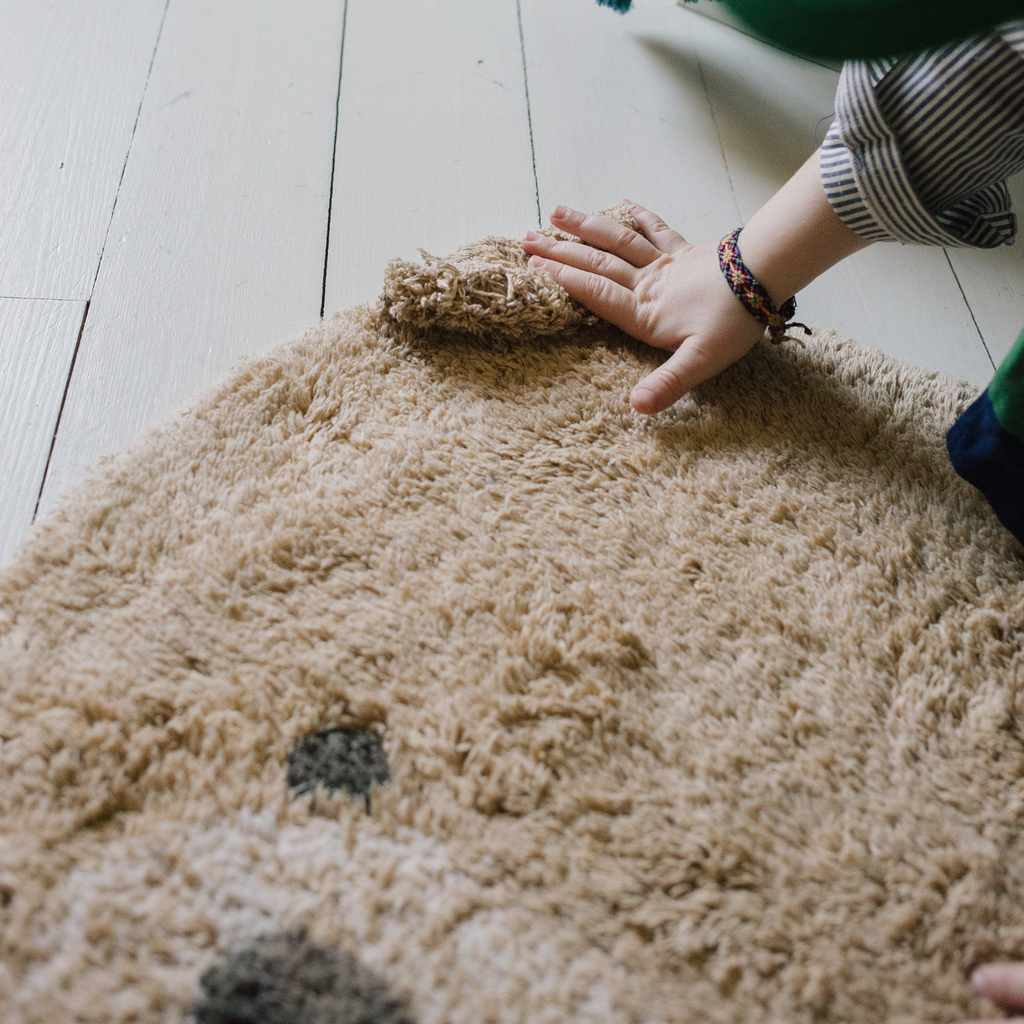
{"x": 285, "y": 979}
{"x": 338, "y": 760}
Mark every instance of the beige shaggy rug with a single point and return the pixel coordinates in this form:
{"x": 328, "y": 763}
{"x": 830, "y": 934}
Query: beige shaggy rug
{"x": 708, "y": 717}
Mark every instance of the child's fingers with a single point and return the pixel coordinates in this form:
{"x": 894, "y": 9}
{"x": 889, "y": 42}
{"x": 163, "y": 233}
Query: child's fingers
{"x": 582, "y": 257}
{"x": 691, "y": 364}
{"x": 1002, "y": 983}
{"x": 599, "y": 294}
{"x": 623, "y": 242}
{"x": 656, "y": 231}
{"x": 1002, "y": 1020}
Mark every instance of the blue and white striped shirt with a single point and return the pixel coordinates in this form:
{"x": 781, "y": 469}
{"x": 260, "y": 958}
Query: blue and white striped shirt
{"x": 921, "y": 145}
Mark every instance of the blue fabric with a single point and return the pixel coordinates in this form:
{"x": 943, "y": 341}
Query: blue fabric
{"x": 987, "y": 455}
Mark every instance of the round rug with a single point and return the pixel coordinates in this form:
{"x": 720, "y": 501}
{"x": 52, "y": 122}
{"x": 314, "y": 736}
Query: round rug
{"x": 409, "y": 676}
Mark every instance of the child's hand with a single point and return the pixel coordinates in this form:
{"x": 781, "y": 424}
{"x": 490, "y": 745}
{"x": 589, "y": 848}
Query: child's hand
{"x": 656, "y": 287}
{"x": 1003, "y": 984}
{"x": 662, "y": 290}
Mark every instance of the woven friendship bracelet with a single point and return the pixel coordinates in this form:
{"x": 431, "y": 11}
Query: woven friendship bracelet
{"x": 750, "y": 291}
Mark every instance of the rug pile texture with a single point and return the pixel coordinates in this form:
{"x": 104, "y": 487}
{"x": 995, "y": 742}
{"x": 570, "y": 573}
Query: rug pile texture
{"x": 409, "y": 676}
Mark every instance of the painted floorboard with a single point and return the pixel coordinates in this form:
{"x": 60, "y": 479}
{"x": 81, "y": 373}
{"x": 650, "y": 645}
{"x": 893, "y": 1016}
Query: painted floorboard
{"x": 993, "y": 282}
{"x": 433, "y": 143}
{"x": 72, "y": 75}
{"x": 613, "y": 120}
{"x": 218, "y": 240}
{"x": 37, "y": 344}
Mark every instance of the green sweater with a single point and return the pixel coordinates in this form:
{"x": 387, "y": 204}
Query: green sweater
{"x": 870, "y": 28}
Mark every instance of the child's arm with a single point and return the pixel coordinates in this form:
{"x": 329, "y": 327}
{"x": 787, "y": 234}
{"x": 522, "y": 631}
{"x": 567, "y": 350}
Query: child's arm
{"x": 672, "y": 295}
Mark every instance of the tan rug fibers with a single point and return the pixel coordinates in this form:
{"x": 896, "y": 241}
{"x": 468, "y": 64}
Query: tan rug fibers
{"x": 714, "y": 716}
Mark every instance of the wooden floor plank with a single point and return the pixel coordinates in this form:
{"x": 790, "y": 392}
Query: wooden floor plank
{"x": 218, "y": 239}
{"x": 37, "y": 344}
{"x": 433, "y": 136}
{"x": 993, "y": 283}
{"x": 72, "y": 75}
{"x": 611, "y": 121}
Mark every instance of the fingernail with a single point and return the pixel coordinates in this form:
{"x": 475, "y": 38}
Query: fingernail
{"x": 560, "y": 213}
{"x": 535, "y": 261}
{"x": 978, "y": 980}
{"x": 642, "y": 399}
{"x": 530, "y": 236}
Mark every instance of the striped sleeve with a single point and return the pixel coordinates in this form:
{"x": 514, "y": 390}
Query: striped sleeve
{"x": 921, "y": 145}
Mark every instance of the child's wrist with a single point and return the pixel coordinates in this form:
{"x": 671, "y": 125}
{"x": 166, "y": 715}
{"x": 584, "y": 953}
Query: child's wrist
{"x": 764, "y": 263}
{"x": 796, "y": 235}
{"x": 777, "y": 317}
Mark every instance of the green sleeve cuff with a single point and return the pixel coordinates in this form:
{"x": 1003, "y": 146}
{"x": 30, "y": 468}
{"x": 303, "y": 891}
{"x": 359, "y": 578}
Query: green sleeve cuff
{"x": 1006, "y": 392}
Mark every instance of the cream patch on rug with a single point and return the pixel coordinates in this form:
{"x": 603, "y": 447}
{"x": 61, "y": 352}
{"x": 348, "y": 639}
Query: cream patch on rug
{"x": 461, "y": 950}
{"x": 714, "y": 716}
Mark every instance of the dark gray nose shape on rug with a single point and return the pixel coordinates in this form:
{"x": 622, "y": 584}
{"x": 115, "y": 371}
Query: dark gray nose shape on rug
{"x": 284, "y": 979}
{"x": 338, "y": 759}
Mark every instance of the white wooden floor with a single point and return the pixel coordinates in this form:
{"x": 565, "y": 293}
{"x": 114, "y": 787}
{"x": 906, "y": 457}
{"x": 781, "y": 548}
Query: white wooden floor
{"x": 185, "y": 181}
